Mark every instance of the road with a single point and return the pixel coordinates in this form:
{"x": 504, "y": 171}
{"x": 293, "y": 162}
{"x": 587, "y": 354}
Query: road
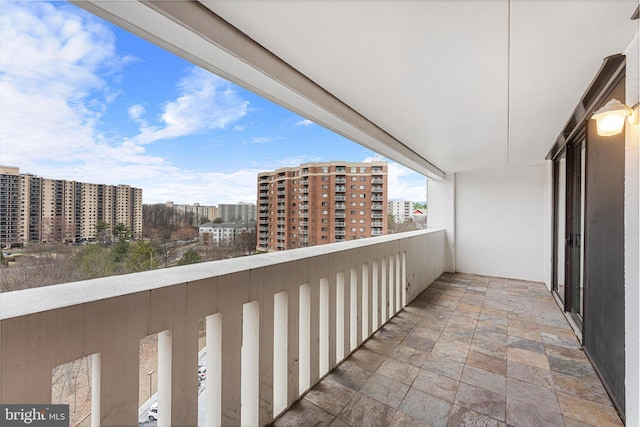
{"x": 143, "y": 421}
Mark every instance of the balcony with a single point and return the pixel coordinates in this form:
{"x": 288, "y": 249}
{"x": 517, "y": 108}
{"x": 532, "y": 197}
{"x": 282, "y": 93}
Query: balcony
{"x": 242, "y": 316}
{"x": 377, "y": 224}
{"x": 304, "y": 182}
{"x": 377, "y": 180}
{"x": 341, "y": 180}
{"x": 377, "y": 189}
{"x": 340, "y": 198}
{"x": 377, "y": 198}
{"x": 339, "y": 223}
{"x": 304, "y": 190}
{"x": 340, "y": 233}
{"x": 304, "y": 198}
{"x": 377, "y": 215}
{"x": 376, "y": 232}
{"x": 340, "y": 215}
{"x": 376, "y": 206}
{"x": 340, "y": 206}
{"x": 303, "y": 223}
{"x": 341, "y": 189}
{"x": 304, "y": 215}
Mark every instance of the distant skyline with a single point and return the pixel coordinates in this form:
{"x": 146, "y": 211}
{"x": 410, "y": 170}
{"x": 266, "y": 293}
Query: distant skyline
{"x": 84, "y": 100}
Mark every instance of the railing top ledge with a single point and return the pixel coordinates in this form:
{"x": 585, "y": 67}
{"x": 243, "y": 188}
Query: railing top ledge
{"x": 29, "y": 301}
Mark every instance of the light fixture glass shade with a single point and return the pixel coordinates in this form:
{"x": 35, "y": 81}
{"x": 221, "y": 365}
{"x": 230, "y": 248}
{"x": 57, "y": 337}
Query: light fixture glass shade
{"x": 610, "y": 118}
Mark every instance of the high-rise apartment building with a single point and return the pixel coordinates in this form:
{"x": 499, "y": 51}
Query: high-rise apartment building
{"x": 199, "y": 214}
{"x": 35, "y": 209}
{"x": 400, "y": 209}
{"x": 237, "y": 211}
{"x": 318, "y": 203}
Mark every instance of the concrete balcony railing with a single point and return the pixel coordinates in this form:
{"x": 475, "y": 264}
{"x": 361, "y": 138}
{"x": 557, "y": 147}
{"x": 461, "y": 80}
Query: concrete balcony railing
{"x": 275, "y": 325}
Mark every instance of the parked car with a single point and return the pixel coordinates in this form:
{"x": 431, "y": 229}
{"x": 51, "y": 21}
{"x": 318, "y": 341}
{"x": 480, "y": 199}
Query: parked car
{"x": 153, "y": 412}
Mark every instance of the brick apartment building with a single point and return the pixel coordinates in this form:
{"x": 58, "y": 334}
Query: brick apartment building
{"x": 35, "y": 209}
{"x": 318, "y": 203}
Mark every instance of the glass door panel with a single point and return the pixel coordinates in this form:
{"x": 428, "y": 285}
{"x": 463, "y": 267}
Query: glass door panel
{"x": 560, "y": 234}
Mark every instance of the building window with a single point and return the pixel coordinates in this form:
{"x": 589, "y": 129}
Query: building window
{"x": 325, "y": 228}
{"x": 354, "y": 178}
{"x": 353, "y": 187}
{"x": 353, "y": 229}
{"x": 354, "y": 169}
{"x": 363, "y": 170}
{"x": 325, "y": 178}
{"x": 363, "y": 196}
{"x": 361, "y": 212}
{"x": 362, "y": 229}
{"x": 352, "y": 195}
{"x": 325, "y": 221}
{"x": 325, "y": 212}
{"x": 325, "y": 203}
{"x": 325, "y": 169}
{"x": 353, "y": 220}
{"x": 353, "y": 203}
{"x": 352, "y": 212}
{"x": 363, "y": 178}
{"x": 325, "y": 195}
{"x": 293, "y": 204}
{"x": 363, "y": 204}
{"x": 363, "y": 187}
{"x": 324, "y": 237}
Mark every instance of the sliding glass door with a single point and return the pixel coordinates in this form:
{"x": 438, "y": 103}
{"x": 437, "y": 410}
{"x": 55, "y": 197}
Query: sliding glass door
{"x": 569, "y": 177}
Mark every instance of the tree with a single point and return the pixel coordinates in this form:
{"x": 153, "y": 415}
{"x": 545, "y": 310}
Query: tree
{"x": 190, "y": 257}
{"x": 246, "y": 241}
{"x": 94, "y": 262}
{"x": 103, "y": 232}
{"x": 218, "y": 220}
{"x": 418, "y": 205}
{"x": 121, "y": 231}
{"x": 142, "y": 257}
{"x": 119, "y": 251}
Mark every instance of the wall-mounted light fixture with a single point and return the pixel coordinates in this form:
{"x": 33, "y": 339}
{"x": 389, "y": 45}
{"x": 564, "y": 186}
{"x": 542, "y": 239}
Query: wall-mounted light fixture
{"x": 610, "y": 118}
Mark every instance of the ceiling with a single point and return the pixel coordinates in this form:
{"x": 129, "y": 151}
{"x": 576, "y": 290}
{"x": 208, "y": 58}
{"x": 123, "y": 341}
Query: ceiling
{"x": 439, "y": 86}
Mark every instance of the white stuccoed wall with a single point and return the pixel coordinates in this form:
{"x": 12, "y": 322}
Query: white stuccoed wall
{"x": 497, "y": 221}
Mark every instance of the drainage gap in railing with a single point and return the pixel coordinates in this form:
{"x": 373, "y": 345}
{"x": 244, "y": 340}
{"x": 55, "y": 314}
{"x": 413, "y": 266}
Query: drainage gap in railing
{"x": 384, "y": 292}
{"x": 148, "y": 379}
{"x": 391, "y": 287}
{"x": 323, "y": 346}
{"x": 340, "y": 325}
{"x": 249, "y": 367}
{"x": 365, "y": 302}
{"x": 375, "y": 301}
{"x": 73, "y": 383}
{"x": 398, "y": 285}
{"x": 304, "y": 338}
{"x": 210, "y": 369}
{"x": 353, "y": 311}
{"x": 280, "y": 350}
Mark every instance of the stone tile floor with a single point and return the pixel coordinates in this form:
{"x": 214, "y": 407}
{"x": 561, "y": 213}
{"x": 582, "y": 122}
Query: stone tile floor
{"x": 470, "y": 350}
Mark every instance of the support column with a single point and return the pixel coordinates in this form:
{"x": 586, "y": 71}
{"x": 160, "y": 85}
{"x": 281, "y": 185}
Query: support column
{"x": 441, "y": 202}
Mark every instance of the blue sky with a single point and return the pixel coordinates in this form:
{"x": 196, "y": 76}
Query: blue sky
{"x": 82, "y": 99}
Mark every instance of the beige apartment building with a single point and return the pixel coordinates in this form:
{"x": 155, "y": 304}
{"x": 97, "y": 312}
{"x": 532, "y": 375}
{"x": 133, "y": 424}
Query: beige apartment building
{"x": 35, "y": 209}
{"x": 318, "y": 203}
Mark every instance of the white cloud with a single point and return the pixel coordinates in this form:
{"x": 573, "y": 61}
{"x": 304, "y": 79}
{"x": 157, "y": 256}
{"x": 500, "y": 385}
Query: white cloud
{"x": 59, "y": 74}
{"x": 304, "y": 123}
{"x": 135, "y": 111}
{"x": 50, "y": 60}
{"x": 205, "y": 102}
